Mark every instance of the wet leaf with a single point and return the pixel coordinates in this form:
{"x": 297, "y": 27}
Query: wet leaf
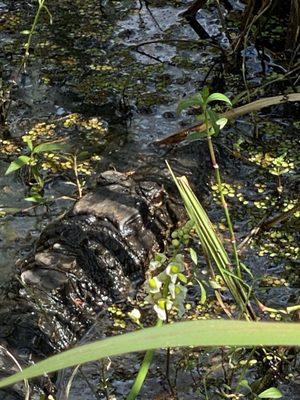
{"x": 17, "y": 164}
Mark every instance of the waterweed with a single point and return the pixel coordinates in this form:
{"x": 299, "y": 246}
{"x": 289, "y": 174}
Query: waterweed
{"x": 34, "y": 161}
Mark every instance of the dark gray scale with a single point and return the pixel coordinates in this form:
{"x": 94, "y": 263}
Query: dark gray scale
{"x": 97, "y": 253}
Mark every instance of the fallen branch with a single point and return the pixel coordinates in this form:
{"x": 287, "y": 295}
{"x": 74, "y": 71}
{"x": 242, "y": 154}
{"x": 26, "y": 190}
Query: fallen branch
{"x": 231, "y": 114}
{"x": 266, "y": 224}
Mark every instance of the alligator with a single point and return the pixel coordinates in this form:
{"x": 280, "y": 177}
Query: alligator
{"x": 93, "y": 256}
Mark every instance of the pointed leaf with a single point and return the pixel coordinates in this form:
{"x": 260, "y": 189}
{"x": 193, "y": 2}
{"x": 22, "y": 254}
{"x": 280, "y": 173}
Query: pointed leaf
{"x": 205, "y": 93}
{"x": 43, "y": 147}
{"x": 29, "y": 143}
{"x": 203, "y": 293}
{"x": 189, "y": 333}
{"x": 271, "y": 393}
{"x": 218, "y": 97}
{"x": 17, "y": 164}
{"x": 213, "y": 120}
{"x": 194, "y": 100}
{"x": 222, "y": 122}
{"x": 196, "y": 136}
{"x": 37, "y": 198}
{"x": 194, "y": 256}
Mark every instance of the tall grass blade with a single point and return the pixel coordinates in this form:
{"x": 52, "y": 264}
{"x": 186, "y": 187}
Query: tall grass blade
{"x": 213, "y": 333}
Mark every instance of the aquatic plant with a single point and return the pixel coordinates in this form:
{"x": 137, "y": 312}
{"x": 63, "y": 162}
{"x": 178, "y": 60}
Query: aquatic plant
{"x": 34, "y": 161}
{"x": 181, "y": 334}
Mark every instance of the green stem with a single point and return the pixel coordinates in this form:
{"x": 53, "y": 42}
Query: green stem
{"x": 32, "y": 30}
{"x": 222, "y": 197}
{"x": 27, "y": 47}
{"x": 143, "y": 371}
{"x": 144, "y": 368}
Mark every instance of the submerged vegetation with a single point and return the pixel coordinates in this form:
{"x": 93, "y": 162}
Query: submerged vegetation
{"x": 234, "y": 256}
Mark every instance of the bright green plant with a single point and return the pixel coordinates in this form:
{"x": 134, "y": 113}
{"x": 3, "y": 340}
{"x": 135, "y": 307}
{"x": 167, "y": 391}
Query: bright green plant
{"x": 166, "y": 291}
{"x": 41, "y": 6}
{"x": 181, "y": 334}
{"x": 213, "y": 248}
{"x": 33, "y": 161}
{"x": 213, "y": 124}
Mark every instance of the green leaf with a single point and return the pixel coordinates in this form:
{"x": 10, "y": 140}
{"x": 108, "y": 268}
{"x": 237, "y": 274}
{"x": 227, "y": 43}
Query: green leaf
{"x": 215, "y": 285}
{"x": 203, "y": 293}
{"x": 244, "y": 383}
{"x": 194, "y": 256}
{"x": 37, "y": 198}
{"x": 200, "y": 117}
{"x": 213, "y": 120}
{"x": 49, "y": 13}
{"x": 17, "y": 164}
{"x": 245, "y": 268}
{"x": 271, "y": 393}
{"x": 194, "y": 100}
{"x": 28, "y": 141}
{"x": 38, "y": 177}
{"x": 205, "y": 93}
{"x": 222, "y": 122}
{"x": 218, "y": 97}
{"x": 196, "y": 136}
{"x": 213, "y": 333}
{"x": 44, "y": 147}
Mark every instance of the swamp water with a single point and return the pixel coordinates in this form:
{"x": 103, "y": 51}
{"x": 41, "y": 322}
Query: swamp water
{"x": 107, "y": 80}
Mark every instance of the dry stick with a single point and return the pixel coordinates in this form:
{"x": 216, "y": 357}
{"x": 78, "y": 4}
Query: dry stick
{"x": 266, "y": 224}
{"x": 231, "y": 114}
{"x": 192, "y": 10}
{"x": 243, "y": 94}
{"x": 150, "y": 12}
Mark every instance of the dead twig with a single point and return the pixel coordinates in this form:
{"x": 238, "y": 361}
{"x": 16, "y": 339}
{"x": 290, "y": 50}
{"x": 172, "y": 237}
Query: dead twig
{"x": 266, "y": 224}
{"x": 231, "y": 114}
